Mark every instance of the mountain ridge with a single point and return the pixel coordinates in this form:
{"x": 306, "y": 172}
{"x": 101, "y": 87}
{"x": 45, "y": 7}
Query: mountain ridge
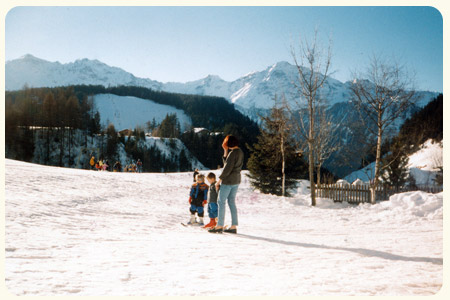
{"x": 251, "y": 92}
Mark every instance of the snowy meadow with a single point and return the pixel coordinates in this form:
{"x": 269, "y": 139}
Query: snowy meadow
{"x": 79, "y": 232}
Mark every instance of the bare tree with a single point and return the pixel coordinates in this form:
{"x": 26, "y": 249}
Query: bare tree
{"x": 325, "y": 140}
{"x": 313, "y": 65}
{"x": 284, "y": 129}
{"x": 381, "y": 94}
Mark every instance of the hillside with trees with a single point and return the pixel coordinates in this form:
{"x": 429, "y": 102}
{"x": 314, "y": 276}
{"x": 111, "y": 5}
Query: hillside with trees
{"x": 56, "y": 115}
{"x": 424, "y": 125}
{"x": 428, "y": 123}
{"x": 66, "y": 117}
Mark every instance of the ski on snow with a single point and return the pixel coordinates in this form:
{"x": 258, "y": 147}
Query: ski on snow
{"x": 201, "y": 226}
{"x": 191, "y": 225}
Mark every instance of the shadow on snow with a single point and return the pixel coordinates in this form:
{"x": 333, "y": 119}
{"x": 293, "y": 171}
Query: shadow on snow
{"x": 365, "y": 252}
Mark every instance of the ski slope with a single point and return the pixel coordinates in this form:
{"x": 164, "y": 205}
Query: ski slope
{"x": 79, "y": 232}
{"x": 127, "y": 112}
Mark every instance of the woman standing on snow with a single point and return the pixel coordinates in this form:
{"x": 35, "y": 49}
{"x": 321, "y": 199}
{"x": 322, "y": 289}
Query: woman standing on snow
{"x": 228, "y": 183}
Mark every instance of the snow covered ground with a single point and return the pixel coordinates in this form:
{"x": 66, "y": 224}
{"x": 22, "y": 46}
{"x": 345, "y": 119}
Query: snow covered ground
{"x": 78, "y": 232}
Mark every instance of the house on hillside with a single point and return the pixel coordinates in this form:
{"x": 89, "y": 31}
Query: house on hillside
{"x": 125, "y": 132}
{"x": 201, "y": 131}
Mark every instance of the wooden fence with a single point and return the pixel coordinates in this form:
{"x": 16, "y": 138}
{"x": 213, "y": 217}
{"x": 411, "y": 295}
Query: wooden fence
{"x": 361, "y": 193}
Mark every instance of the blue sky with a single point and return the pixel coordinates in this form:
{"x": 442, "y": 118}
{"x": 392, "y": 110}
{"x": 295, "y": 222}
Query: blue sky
{"x": 189, "y": 43}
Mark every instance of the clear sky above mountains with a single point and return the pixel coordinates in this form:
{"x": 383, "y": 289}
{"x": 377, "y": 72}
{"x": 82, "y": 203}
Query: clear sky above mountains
{"x": 188, "y": 43}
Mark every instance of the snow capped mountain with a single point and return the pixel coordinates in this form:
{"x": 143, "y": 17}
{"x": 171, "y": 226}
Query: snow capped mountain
{"x": 211, "y": 85}
{"x": 250, "y": 93}
{"x": 35, "y": 72}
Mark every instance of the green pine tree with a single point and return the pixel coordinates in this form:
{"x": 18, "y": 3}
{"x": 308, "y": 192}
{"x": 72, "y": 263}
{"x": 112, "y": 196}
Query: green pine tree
{"x": 265, "y": 162}
{"x": 169, "y": 127}
{"x": 112, "y": 142}
{"x": 395, "y": 166}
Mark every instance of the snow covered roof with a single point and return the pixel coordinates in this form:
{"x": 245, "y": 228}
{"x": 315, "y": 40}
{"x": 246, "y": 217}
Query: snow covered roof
{"x": 199, "y": 129}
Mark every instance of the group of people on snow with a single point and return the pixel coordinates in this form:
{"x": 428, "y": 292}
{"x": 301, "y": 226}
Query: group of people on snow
{"x": 216, "y": 195}
{"x": 134, "y": 167}
{"x": 102, "y": 165}
{"x": 219, "y": 192}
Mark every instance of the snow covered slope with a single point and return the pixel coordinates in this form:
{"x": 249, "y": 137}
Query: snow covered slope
{"x": 165, "y": 147}
{"x": 77, "y": 232}
{"x": 82, "y": 149}
{"x": 127, "y": 112}
{"x": 423, "y": 165}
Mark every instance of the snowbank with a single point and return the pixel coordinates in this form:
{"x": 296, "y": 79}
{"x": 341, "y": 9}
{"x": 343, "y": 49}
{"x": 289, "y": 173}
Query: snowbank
{"x": 409, "y": 205}
{"x": 417, "y": 203}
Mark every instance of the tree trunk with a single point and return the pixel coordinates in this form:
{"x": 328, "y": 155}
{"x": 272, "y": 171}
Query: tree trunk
{"x": 282, "y": 168}
{"x": 47, "y": 157}
{"x": 61, "y": 146}
{"x": 311, "y": 153}
{"x": 70, "y": 144}
{"x": 318, "y": 176}
{"x": 377, "y": 161}
{"x": 311, "y": 175}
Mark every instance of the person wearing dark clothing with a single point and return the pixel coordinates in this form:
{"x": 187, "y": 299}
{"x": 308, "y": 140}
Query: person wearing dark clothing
{"x": 228, "y": 183}
{"x": 195, "y": 175}
{"x": 117, "y": 167}
{"x": 198, "y": 197}
{"x": 139, "y": 165}
{"x": 212, "y": 201}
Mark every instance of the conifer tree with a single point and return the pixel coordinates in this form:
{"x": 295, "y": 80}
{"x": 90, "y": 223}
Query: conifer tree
{"x": 395, "y": 166}
{"x": 184, "y": 163}
{"x": 169, "y": 127}
{"x": 266, "y": 160}
{"x": 112, "y": 141}
{"x": 49, "y": 107}
{"x": 72, "y": 120}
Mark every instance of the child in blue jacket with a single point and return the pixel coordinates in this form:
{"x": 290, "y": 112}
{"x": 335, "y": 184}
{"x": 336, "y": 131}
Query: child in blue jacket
{"x": 198, "y": 197}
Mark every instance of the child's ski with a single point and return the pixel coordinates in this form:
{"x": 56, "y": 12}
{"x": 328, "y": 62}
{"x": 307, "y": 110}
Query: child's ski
{"x": 191, "y": 225}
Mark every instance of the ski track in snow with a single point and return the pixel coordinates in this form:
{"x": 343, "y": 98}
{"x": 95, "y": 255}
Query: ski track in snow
{"x": 78, "y": 232}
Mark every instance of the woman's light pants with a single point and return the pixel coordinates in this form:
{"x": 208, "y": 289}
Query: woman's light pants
{"x": 227, "y": 192}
